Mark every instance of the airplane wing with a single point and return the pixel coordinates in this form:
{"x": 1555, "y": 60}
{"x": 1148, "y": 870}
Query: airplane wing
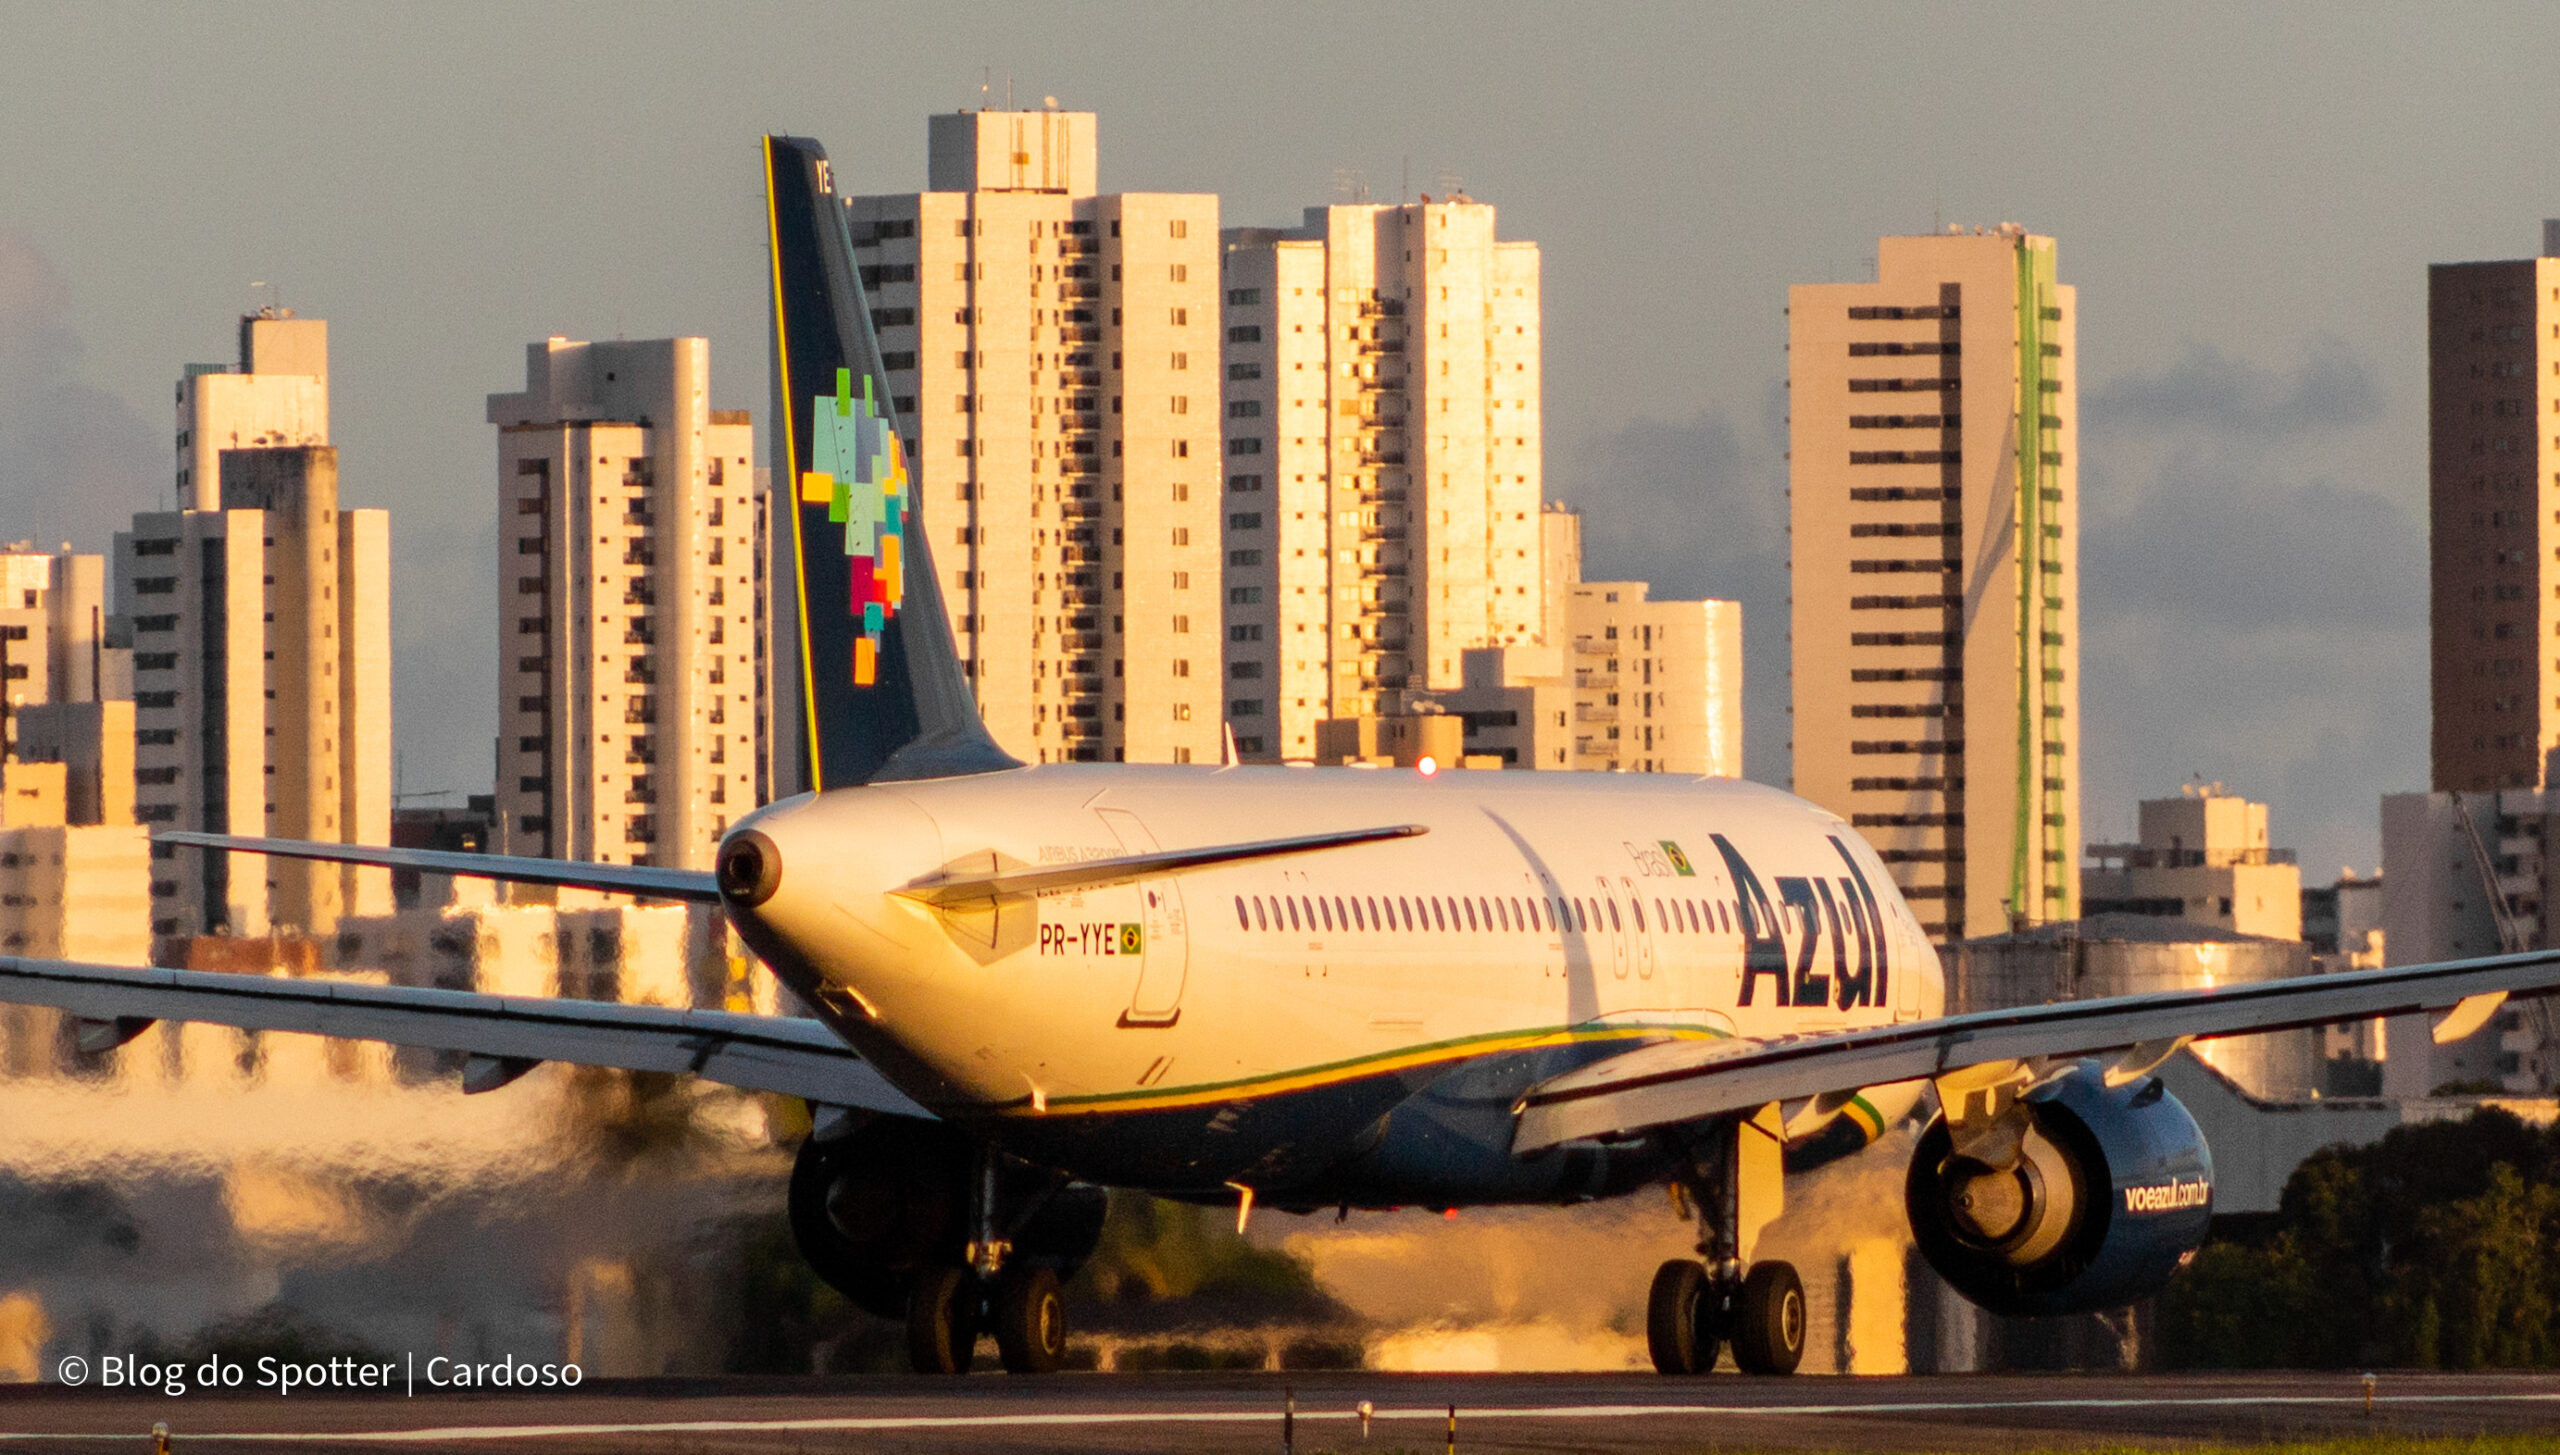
{"x": 504, "y": 1036}
{"x": 640, "y": 879}
{"x": 1682, "y": 1081}
{"x": 952, "y": 887}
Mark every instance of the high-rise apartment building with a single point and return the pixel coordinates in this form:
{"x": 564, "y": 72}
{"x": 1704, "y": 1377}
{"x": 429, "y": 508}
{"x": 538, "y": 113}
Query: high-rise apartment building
{"x": 1383, "y": 441}
{"x": 1053, "y": 353}
{"x": 53, "y": 630}
{"x": 628, "y": 624}
{"x": 74, "y": 868}
{"x": 2493, "y": 484}
{"x": 1935, "y": 539}
{"x": 1617, "y": 683}
{"x": 259, "y": 619}
{"x": 277, "y": 397}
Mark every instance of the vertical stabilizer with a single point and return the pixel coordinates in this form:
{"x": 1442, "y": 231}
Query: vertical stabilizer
{"x": 882, "y": 694}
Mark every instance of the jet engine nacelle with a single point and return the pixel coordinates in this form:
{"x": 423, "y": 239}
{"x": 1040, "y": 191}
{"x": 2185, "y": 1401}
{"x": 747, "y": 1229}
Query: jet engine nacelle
{"x": 2109, "y": 1196}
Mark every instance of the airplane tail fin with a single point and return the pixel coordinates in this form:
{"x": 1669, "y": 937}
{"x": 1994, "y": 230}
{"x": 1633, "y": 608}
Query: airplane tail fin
{"x": 882, "y": 694}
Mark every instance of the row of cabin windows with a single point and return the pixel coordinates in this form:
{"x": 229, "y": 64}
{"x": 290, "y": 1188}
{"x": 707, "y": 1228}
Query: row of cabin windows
{"x": 1483, "y": 914}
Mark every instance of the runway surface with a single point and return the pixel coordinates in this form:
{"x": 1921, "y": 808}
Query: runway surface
{"x": 1206, "y": 1413}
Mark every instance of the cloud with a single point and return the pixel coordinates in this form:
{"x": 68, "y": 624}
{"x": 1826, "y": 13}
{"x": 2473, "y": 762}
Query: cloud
{"x": 2205, "y": 544}
{"x": 2209, "y": 393}
{"x": 75, "y": 461}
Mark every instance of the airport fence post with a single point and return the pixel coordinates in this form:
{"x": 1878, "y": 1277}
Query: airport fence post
{"x": 2368, "y": 1396}
{"x": 1453, "y": 1430}
{"x": 1289, "y": 1422}
{"x": 160, "y": 1438}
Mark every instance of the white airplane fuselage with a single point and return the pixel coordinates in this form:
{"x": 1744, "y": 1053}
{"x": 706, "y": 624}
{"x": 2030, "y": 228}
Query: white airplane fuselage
{"x": 1266, "y": 1023}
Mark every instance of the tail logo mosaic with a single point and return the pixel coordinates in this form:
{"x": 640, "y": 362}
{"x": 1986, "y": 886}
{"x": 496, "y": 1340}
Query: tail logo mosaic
{"x": 858, "y": 471}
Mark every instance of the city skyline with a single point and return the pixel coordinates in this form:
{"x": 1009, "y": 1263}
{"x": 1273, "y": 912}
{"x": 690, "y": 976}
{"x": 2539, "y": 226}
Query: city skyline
{"x": 2231, "y": 412}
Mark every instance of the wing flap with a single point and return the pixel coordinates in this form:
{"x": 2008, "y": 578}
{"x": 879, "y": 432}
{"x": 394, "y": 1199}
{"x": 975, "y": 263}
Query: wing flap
{"x": 1674, "y": 1082}
{"x": 971, "y": 886}
{"x": 758, "y": 1053}
{"x": 641, "y": 879}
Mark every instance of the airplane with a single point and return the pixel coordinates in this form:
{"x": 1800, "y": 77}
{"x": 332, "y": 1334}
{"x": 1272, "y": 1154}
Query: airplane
{"x": 1299, "y": 988}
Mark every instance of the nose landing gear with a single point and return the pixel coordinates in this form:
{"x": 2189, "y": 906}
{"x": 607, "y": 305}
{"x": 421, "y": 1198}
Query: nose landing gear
{"x": 1735, "y": 1186}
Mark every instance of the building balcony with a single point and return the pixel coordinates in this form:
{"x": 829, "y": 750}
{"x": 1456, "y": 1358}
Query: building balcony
{"x": 1595, "y": 679}
{"x": 1382, "y": 532}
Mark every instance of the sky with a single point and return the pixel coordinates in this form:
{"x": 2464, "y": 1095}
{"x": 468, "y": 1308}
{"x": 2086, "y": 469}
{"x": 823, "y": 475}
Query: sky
{"x": 2245, "y": 196}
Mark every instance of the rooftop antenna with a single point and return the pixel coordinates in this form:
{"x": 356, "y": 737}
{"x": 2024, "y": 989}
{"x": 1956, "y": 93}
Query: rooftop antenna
{"x": 1404, "y": 181}
{"x": 986, "y": 85}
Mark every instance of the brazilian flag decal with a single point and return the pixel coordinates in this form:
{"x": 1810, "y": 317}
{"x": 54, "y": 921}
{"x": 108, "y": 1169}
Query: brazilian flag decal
{"x": 1133, "y": 939}
{"x": 1679, "y": 861}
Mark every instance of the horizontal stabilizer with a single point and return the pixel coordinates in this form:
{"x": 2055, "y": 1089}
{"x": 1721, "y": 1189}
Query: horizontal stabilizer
{"x": 641, "y": 879}
{"x": 972, "y": 886}
{"x": 502, "y": 1036}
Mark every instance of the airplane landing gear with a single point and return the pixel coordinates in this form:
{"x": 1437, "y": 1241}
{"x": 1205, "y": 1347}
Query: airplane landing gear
{"x": 1735, "y": 1186}
{"x": 943, "y": 1310}
{"x": 1010, "y": 1283}
{"x": 1031, "y": 1322}
{"x": 1769, "y": 1320}
{"x": 1684, "y": 1318}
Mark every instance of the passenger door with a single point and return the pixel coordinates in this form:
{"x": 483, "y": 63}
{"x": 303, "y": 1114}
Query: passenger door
{"x": 1164, "y": 941}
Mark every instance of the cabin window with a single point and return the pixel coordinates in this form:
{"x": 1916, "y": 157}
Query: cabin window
{"x": 1468, "y": 907}
{"x": 1376, "y": 923}
{"x": 1291, "y": 906}
{"x": 1242, "y": 921}
{"x": 1439, "y": 915}
{"x": 1342, "y": 913}
{"x": 1325, "y": 910}
{"x": 1692, "y": 907}
{"x": 1502, "y": 913}
{"x": 1259, "y": 922}
{"x": 1581, "y": 912}
{"x": 1635, "y": 907}
{"x": 1614, "y": 922}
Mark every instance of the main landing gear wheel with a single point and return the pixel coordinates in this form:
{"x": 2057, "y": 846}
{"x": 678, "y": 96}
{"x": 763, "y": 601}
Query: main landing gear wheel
{"x": 1031, "y": 1322}
{"x": 942, "y": 1320}
{"x": 1683, "y": 1318}
{"x": 1769, "y": 1320}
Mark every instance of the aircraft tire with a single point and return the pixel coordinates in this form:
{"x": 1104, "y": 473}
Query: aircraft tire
{"x": 1680, "y": 1322}
{"x": 1769, "y": 1320}
{"x": 1031, "y": 1321}
{"x": 942, "y": 1320}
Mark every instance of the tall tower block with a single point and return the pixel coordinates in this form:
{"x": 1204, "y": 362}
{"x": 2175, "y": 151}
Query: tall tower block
{"x": 1053, "y": 351}
{"x": 1935, "y": 536}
